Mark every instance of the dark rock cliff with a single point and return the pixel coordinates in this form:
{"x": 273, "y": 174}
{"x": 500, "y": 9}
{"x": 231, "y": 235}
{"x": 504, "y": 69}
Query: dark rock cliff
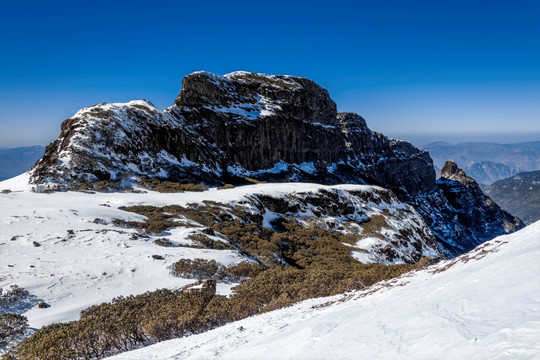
{"x": 222, "y": 128}
{"x": 467, "y": 217}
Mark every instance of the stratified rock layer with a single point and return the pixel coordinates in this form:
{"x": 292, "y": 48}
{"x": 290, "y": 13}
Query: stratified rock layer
{"x": 274, "y": 128}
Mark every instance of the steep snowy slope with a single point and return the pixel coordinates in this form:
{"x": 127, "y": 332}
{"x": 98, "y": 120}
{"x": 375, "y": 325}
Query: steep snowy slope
{"x": 68, "y": 250}
{"x": 482, "y": 305}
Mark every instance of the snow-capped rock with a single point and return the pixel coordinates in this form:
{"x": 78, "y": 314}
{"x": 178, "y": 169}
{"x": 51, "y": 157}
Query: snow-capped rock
{"x": 268, "y": 127}
{"x": 480, "y": 217}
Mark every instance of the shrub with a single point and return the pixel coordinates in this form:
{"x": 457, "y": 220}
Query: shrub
{"x": 12, "y": 295}
{"x": 106, "y": 329}
{"x": 163, "y": 242}
{"x": 254, "y": 181}
{"x": 196, "y": 268}
{"x": 156, "y": 223}
{"x": 208, "y": 243}
{"x": 243, "y": 270}
{"x": 226, "y": 186}
{"x": 166, "y": 186}
{"x": 106, "y": 186}
{"x": 11, "y": 327}
{"x": 134, "y": 321}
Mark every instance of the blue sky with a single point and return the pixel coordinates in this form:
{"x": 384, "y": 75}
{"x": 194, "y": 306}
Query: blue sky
{"x": 419, "y": 70}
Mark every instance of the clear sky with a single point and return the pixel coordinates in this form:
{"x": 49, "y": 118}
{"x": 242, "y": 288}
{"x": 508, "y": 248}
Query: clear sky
{"x": 419, "y": 70}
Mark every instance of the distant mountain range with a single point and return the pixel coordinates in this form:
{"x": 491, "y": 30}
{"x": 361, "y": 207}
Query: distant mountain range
{"x": 15, "y": 161}
{"x": 519, "y": 195}
{"x": 488, "y": 162}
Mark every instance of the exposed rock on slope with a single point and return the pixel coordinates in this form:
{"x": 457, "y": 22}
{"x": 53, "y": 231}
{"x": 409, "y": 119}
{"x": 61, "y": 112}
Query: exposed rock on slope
{"x": 242, "y": 124}
{"x": 519, "y": 194}
{"x": 274, "y": 128}
{"x": 386, "y": 230}
{"x": 480, "y": 218}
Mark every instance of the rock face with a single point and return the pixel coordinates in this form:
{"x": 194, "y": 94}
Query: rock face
{"x": 479, "y": 218}
{"x": 224, "y": 128}
{"x": 278, "y": 128}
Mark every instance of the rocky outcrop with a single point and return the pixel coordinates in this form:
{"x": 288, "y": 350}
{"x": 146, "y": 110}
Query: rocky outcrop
{"x": 222, "y": 129}
{"x": 461, "y": 215}
{"x": 386, "y": 231}
{"x": 276, "y": 128}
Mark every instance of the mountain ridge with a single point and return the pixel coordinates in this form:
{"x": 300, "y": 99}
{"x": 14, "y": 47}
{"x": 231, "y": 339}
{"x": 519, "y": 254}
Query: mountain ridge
{"x": 273, "y": 128}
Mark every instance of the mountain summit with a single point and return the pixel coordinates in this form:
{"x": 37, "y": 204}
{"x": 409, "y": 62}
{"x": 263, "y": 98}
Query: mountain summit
{"x": 268, "y": 127}
{"x": 282, "y": 128}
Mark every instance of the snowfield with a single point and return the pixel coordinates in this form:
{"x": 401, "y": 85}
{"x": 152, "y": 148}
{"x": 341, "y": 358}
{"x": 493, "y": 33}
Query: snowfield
{"x": 80, "y": 261}
{"x": 482, "y": 305}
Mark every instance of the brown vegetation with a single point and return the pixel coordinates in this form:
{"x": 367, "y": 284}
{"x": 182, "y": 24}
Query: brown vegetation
{"x": 109, "y": 328}
{"x": 292, "y": 264}
{"x": 166, "y": 186}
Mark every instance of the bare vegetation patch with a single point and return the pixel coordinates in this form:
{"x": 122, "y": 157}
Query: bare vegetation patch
{"x": 163, "y": 242}
{"x": 166, "y": 186}
{"x": 290, "y": 264}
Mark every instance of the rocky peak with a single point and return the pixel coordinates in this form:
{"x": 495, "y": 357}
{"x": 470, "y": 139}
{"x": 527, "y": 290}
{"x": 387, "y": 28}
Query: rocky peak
{"x": 452, "y": 171}
{"x": 274, "y": 128}
{"x": 244, "y": 96}
{"x": 481, "y": 218}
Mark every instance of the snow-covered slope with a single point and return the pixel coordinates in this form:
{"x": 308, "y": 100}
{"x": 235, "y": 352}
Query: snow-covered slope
{"x": 482, "y": 305}
{"x": 65, "y": 248}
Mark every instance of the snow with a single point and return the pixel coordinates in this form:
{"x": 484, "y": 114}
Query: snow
{"x": 99, "y": 261}
{"x": 262, "y": 107}
{"x": 278, "y": 168}
{"x": 482, "y": 305}
{"x": 308, "y": 167}
{"x": 95, "y": 263}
